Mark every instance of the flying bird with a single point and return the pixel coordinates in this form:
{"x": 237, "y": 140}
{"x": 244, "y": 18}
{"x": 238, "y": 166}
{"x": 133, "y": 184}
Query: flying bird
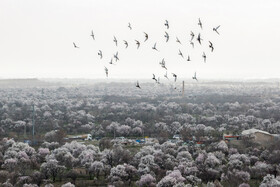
{"x": 180, "y": 53}
{"x": 204, "y": 56}
{"x": 166, "y": 24}
{"x": 166, "y": 75}
{"x": 137, "y": 85}
{"x": 146, "y": 36}
{"x": 106, "y": 71}
{"x": 199, "y": 23}
{"x": 155, "y": 47}
{"x": 199, "y": 39}
{"x": 154, "y": 77}
{"x": 177, "y": 40}
{"x": 192, "y": 44}
{"x": 192, "y": 35}
{"x": 75, "y": 45}
{"x": 100, "y": 54}
{"x": 162, "y": 63}
{"x": 125, "y": 43}
{"x": 166, "y": 36}
{"x": 194, "y": 77}
{"x": 92, "y": 35}
{"x": 111, "y": 61}
{"x": 189, "y": 58}
{"x": 116, "y": 56}
{"x": 211, "y": 46}
{"x": 115, "y": 40}
{"x": 216, "y": 29}
{"x": 175, "y": 76}
{"x": 129, "y": 26}
{"x": 137, "y": 43}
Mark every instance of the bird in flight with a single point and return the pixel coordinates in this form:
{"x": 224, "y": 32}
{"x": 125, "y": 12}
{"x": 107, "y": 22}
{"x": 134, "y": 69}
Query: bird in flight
{"x": 146, "y": 36}
{"x": 166, "y": 75}
{"x": 216, "y": 29}
{"x": 166, "y": 24}
{"x": 177, "y": 40}
{"x": 199, "y": 39}
{"x": 129, "y": 26}
{"x": 137, "y": 85}
{"x": 125, "y": 43}
{"x": 75, "y": 45}
{"x": 211, "y": 46}
{"x": 116, "y": 56}
{"x": 154, "y": 77}
{"x": 162, "y": 63}
{"x": 100, "y": 54}
{"x": 194, "y": 77}
{"x": 192, "y": 44}
{"x": 137, "y": 43}
{"x": 175, "y": 76}
{"x": 189, "y": 58}
{"x": 204, "y": 57}
{"x": 155, "y": 47}
{"x": 192, "y": 35}
{"x": 199, "y": 23}
{"x": 106, "y": 71}
{"x": 166, "y": 36}
{"x": 111, "y": 61}
{"x": 92, "y": 35}
{"x": 115, "y": 40}
{"x": 180, "y": 53}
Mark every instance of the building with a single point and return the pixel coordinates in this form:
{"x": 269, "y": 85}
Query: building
{"x": 259, "y": 136}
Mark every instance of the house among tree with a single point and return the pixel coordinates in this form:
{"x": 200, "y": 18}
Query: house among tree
{"x": 259, "y": 136}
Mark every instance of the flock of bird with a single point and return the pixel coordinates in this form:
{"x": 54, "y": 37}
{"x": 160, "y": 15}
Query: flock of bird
{"x": 154, "y": 47}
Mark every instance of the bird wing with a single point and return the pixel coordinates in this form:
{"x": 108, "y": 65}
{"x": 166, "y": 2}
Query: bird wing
{"x": 218, "y": 27}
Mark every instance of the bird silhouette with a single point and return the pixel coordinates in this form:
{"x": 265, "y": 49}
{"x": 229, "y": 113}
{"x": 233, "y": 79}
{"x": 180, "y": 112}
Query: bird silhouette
{"x": 155, "y": 47}
{"x": 106, "y": 71}
{"x": 162, "y": 63}
{"x": 92, "y": 35}
{"x": 137, "y": 85}
{"x": 154, "y": 77}
{"x": 166, "y": 24}
{"x": 199, "y": 23}
{"x": 192, "y": 35}
{"x": 165, "y": 75}
{"x": 177, "y": 40}
{"x": 192, "y": 44}
{"x": 115, "y": 40}
{"x": 211, "y": 46}
{"x": 111, "y": 61}
{"x": 216, "y": 29}
{"x": 194, "y": 77}
{"x": 189, "y": 58}
{"x": 129, "y": 26}
{"x": 146, "y": 36}
{"x": 75, "y": 46}
{"x": 199, "y": 39}
{"x": 180, "y": 53}
{"x": 166, "y": 36}
{"x": 137, "y": 43}
{"x": 100, "y": 54}
{"x": 204, "y": 57}
{"x": 175, "y": 76}
{"x": 125, "y": 43}
{"x": 116, "y": 56}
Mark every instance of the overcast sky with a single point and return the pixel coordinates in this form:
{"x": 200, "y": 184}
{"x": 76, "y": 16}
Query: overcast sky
{"x": 36, "y": 38}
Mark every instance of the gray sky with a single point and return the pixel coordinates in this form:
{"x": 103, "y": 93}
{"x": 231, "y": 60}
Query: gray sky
{"x": 36, "y": 38}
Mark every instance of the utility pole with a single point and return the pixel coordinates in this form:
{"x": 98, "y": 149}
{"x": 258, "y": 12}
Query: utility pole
{"x": 33, "y": 123}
